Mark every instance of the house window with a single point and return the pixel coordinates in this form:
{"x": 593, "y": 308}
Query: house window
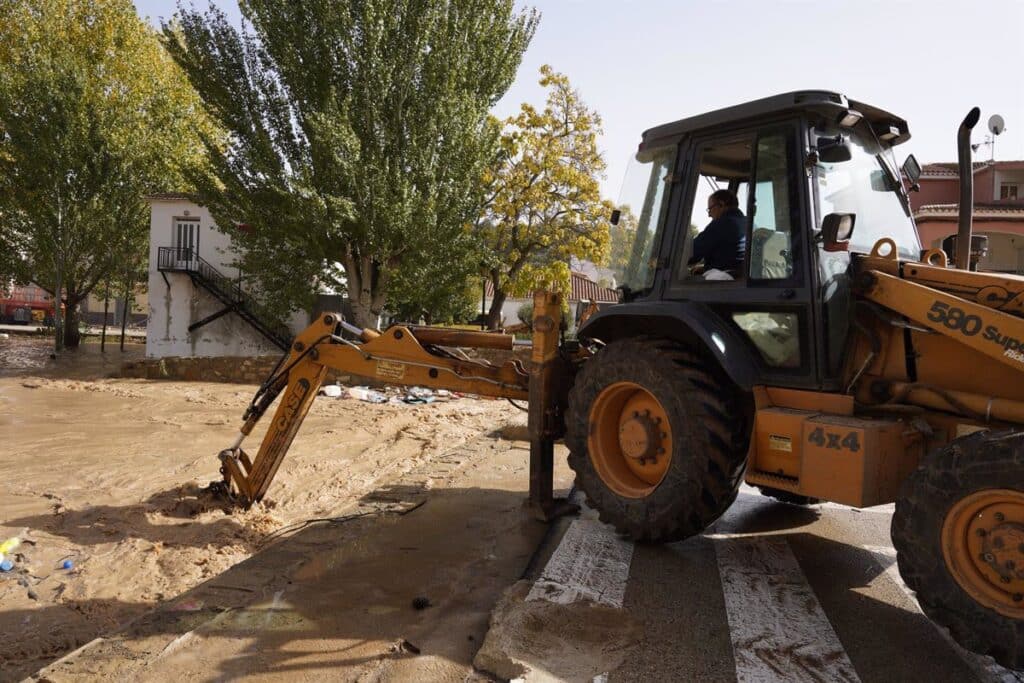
{"x": 1008, "y": 191}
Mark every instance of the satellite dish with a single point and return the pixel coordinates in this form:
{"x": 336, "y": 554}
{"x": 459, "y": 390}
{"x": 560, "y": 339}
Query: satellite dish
{"x": 996, "y": 125}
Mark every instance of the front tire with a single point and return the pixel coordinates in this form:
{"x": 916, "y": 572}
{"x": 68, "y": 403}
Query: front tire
{"x": 958, "y": 530}
{"x": 656, "y": 439}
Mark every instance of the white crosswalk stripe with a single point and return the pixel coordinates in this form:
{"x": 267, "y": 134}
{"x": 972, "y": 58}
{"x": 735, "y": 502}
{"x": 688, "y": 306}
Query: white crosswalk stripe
{"x": 591, "y": 562}
{"x": 779, "y": 631}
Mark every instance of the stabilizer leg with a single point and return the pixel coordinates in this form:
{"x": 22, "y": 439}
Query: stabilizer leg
{"x": 543, "y": 423}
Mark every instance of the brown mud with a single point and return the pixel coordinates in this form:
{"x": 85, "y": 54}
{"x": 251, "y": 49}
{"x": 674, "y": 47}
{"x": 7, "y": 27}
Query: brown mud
{"x": 110, "y": 475}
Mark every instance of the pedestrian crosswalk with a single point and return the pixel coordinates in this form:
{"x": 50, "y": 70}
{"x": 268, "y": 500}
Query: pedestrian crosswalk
{"x": 776, "y": 624}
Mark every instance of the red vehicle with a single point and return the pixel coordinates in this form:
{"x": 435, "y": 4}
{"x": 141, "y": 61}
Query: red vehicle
{"x": 26, "y": 304}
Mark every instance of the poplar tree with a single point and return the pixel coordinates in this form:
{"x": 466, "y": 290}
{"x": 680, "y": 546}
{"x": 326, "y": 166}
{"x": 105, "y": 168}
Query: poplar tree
{"x": 358, "y": 134}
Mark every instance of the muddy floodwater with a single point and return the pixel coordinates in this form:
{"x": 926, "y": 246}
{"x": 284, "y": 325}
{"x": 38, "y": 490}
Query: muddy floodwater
{"x": 104, "y": 482}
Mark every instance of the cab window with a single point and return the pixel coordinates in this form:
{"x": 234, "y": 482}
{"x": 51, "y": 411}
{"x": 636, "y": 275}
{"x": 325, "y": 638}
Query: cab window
{"x": 773, "y": 234}
{"x": 723, "y": 165}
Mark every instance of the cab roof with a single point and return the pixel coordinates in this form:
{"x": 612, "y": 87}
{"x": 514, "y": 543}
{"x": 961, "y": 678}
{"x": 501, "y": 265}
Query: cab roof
{"x": 831, "y": 105}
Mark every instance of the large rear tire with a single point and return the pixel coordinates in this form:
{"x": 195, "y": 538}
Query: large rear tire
{"x": 656, "y": 439}
{"x": 958, "y": 530}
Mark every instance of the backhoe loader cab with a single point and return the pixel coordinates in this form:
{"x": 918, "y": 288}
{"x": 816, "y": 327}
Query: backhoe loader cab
{"x": 794, "y": 162}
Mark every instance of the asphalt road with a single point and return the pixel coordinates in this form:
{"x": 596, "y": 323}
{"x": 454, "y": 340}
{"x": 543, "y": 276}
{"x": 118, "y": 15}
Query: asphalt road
{"x": 775, "y": 592}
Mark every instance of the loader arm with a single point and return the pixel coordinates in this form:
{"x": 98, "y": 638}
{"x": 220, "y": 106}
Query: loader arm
{"x": 986, "y": 330}
{"x": 981, "y": 327}
{"x": 404, "y": 355}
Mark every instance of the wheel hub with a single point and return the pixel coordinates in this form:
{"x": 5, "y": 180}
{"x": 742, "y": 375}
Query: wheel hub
{"x": 640, "y": 437}
{"x": 983, "y": 545}
{"x": 630, "y": 441}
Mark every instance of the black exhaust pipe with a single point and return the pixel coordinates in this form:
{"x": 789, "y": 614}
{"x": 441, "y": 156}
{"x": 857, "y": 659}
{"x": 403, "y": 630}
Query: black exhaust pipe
{"x": 963, "y": 150}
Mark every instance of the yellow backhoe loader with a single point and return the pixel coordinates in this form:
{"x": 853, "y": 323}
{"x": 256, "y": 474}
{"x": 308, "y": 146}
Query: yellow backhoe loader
{"x": 839, "y": 361}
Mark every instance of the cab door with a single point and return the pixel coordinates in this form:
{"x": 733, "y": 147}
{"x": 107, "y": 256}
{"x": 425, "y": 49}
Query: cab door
{"x": 769, "y": 302}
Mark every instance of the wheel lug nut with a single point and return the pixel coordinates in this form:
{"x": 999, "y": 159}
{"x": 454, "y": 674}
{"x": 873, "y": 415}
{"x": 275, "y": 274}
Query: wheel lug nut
{"x": 982, "y": 532}
{"x": 988, "y": 557}
{"x": 1004, "y": 579}
{"x": 1010, "y": 564}
{"x": 1000, "y": 516}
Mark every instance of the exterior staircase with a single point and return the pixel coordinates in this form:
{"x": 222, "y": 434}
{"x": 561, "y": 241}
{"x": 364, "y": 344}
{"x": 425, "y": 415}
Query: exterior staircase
{"x": 226, "y": 290}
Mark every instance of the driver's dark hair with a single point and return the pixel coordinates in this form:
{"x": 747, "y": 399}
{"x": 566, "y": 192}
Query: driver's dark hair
{"x": 726, "y": 197}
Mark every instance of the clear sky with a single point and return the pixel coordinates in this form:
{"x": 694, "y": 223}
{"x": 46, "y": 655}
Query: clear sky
{"x": 640, "y": 63}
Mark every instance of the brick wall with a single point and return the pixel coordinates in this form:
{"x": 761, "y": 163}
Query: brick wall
{"x": 240, "y": 370}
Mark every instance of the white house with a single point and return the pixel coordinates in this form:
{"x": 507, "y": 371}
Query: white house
{"x": 197, "y": 307}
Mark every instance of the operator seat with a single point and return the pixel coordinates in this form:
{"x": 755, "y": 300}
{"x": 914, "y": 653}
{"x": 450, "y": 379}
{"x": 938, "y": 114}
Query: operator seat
{"x": 770, "y": 257}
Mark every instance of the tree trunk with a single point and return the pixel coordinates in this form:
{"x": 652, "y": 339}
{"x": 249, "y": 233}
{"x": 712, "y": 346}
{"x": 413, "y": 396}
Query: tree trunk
{"x": 72, "y": 337}
{"x": 106, "y": 308}
{"x": 58, "y": 337}
{"x": 365, "y": 289}
{"x": 494, "y": 314}
{"x": 124, "y": 313}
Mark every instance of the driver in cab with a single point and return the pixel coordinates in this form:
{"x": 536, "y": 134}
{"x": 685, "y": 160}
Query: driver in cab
{"x": 722, "y": 245}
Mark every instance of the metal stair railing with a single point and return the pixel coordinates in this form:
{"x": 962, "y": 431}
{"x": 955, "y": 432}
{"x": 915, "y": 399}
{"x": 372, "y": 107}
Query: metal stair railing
{"x": 186, "y": 260}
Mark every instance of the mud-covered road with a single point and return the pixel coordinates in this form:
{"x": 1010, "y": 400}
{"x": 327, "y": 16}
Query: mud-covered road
{"x": 110, "y": 475}
{"x": 396, "y": 547}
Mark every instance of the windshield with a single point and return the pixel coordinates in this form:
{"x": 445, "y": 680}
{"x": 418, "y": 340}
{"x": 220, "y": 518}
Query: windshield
{"x": 868, "y": 187}
{"x": 642, "y": 204}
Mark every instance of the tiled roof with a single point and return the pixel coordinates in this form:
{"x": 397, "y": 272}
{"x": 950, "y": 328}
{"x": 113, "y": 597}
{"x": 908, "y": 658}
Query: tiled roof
{"x": 588, "y": 290}
{"x": 951, "y": 169}
{"x": 1003, "y": 211}
{"x": 169, "y": 196}
{"x": 583, "y": 289}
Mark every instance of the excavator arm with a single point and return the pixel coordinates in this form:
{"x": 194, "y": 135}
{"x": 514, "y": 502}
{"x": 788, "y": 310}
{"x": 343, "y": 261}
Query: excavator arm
{"x": 405, "y": 355}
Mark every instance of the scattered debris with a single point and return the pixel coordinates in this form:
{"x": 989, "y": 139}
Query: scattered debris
{"x": 7, "y": 548}
{"x": 390, "y": 395}
{"x": 420, "y": 603}
{"x": 418, "y": 395}
{"x": 405, "y": 646}
{"x": 367, "y": 394}
{"x": 189, "y": 605}
{"x": 331, "y": 391}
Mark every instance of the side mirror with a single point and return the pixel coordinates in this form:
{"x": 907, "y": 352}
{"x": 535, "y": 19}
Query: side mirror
{"x": 911, "y": 169}
{"x": 836, "y": 230}
{"x": 833, "y": 150}
{"x": 614, "y": 218}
